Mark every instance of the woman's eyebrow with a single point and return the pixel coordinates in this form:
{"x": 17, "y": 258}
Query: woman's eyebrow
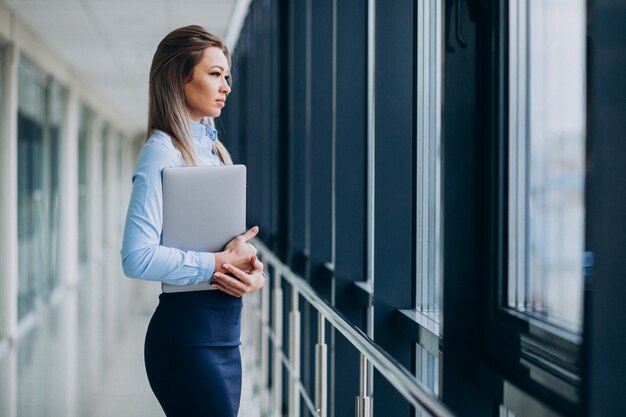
{"x": 220, "y": 67}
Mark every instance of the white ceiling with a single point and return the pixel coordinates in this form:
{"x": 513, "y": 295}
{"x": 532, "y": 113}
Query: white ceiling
{"x": 111, "y": 42}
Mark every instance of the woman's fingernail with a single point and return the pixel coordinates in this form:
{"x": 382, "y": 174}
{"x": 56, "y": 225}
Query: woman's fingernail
{"x": 226, "y": 266}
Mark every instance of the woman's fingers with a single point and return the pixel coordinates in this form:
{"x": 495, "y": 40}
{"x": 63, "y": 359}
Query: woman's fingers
{"x": 256, "y": 264}
{"x": 238, "y": 273}
{"x": 237, "y": 285}
{"x": 252, "y": 232}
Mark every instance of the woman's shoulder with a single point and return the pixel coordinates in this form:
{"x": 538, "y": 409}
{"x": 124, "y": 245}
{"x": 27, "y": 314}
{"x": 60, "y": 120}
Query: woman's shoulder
{"x": 159, "y": 138}
{"x": 159, "y": 150}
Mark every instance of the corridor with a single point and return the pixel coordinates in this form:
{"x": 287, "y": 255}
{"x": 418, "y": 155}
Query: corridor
{"x": 438, "y": 185}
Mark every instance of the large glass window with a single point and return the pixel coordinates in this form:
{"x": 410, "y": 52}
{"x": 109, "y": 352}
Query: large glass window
{"x": 84, "y": 132}
{"x": 428, "y": 204}
{"x": 428, "y": 182}
{"x": 546, "y": 159}
{"x": 104, "y": 146}
{"x": 55, "y": 112}
{"x": 40, "y": 114}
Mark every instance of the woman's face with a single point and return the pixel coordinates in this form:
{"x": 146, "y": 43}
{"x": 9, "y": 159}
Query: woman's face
{"x": 205, "y": 94}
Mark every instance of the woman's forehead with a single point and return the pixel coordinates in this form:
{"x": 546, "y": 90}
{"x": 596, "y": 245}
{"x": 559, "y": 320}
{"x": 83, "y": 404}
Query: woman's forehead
{"x": 214, "y": 56}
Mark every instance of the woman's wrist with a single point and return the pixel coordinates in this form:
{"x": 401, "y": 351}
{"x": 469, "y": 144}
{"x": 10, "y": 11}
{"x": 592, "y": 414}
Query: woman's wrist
{"x": 221, "y": 258}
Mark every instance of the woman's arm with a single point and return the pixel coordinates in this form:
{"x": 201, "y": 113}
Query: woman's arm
{"x": 142, "y": 254}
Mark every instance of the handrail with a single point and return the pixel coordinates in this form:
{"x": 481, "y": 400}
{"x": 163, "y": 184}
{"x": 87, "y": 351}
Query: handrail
{"x": 411, "y": 389}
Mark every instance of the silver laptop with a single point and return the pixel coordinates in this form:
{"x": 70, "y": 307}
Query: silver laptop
{"x": 204, "y": 208}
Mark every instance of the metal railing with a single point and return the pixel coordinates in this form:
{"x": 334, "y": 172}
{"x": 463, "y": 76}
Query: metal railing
{"x": 257, "y": 309}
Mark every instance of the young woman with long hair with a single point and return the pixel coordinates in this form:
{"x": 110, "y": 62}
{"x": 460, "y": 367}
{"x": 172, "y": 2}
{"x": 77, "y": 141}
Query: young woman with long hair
{"x": 192, "y": 344}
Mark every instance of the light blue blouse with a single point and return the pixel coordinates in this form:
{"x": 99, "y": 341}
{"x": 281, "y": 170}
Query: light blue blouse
{"x": 142, "y": 254}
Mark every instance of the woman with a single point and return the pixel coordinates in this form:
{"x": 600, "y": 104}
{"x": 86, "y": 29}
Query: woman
{"x": 192, "y": 344}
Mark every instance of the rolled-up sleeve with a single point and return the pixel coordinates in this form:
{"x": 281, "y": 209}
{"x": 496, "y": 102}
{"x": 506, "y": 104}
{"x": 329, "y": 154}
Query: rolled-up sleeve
{"x": 142, "y": 254}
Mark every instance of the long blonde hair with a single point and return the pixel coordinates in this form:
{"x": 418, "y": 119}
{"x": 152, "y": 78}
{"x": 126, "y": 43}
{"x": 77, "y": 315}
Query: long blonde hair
{"x": 171, "y": 68}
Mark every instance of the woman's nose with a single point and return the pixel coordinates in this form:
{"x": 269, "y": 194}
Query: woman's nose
{"x": 225, "y": 87}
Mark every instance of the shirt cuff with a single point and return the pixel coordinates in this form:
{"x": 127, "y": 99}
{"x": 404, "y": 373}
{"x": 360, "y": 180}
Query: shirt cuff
{"x": 207, "y": 265}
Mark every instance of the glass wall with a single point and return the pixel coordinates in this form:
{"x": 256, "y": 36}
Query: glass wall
{"x": 56, "y": 111}
{"x": 84, "y": 133}
{"x": 547, "y": 159}
{"x": 60, "y": 334}
{"x": 40, "y": 123}
{"x": 104, "y": 146}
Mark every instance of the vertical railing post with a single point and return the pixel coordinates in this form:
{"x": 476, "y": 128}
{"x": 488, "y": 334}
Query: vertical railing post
{"x": 250, "y": 355}
{"x": 277, "y": 364}
{"x": 321, "y": 381}
{"x": 264, "y": 335}
{"x": 256, "y": 316}
{"x": 294, "y": 354}
{"x": 363, "y": 406}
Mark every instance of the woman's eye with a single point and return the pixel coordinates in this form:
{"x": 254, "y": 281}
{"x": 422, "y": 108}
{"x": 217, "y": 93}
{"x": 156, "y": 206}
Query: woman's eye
{"x": 216, "y": 74}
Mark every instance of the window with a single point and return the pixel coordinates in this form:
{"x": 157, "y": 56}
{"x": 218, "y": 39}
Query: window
{"x": 41, "y": 111}
{"x": 84, "y": 133}
{"x": 428, "y": 369}
{"x": 429, "y": 256}
{"x": 427, "y": 372}
{"x": 106, "y": 186}
{"x": 55, "y": 113}
{"x": 428, "y": 193}
{"x": 546, "y": 156}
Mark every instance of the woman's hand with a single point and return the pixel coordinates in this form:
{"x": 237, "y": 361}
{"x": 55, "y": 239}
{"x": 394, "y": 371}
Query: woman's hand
{"x": 240, "y": 282}
{"x": 237, "y": 253}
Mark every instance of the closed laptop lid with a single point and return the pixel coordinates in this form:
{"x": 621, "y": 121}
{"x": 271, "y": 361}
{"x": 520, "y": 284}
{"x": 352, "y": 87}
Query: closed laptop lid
{"x": 203, "y": 207}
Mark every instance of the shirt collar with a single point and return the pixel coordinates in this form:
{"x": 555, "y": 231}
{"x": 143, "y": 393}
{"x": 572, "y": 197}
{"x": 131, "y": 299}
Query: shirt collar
{"x": 202, "y": 129}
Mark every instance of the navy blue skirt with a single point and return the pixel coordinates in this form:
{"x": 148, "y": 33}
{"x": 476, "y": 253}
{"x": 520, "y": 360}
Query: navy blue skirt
{"x": 192, "y": 354}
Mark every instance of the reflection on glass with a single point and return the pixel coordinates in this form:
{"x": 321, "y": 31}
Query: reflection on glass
{"x": 546, "y": 159}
